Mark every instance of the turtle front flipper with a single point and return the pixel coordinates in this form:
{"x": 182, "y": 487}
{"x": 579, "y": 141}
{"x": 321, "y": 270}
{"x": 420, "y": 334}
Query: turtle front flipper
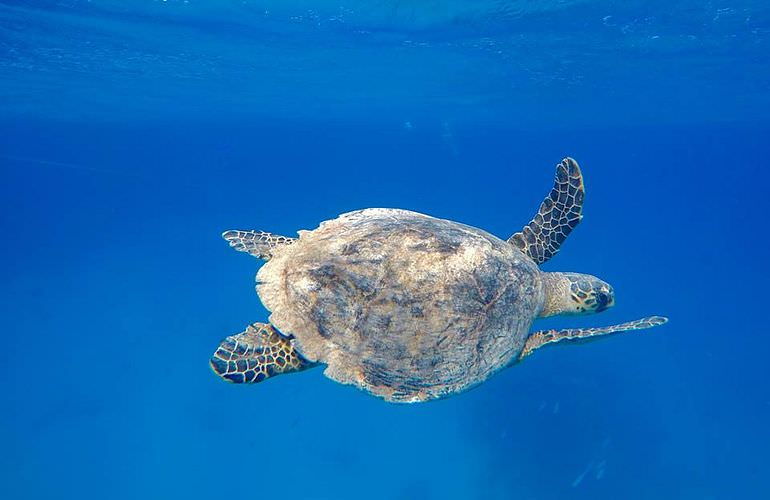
{"x": 258, "y": 243}
{"x": 558, "y": 215}
{"x": 543, "y": 337}
{"x": 258, "y": 353}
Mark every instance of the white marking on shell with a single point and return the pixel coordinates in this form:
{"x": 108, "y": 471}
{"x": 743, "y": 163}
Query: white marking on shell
{"x": 307, "y": 284}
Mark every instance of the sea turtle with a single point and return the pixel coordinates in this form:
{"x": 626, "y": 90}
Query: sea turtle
{"x": 410, "y": 307}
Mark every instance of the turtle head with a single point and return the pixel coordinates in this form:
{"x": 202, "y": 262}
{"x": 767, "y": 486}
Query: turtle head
{"x": 574, "y": 293}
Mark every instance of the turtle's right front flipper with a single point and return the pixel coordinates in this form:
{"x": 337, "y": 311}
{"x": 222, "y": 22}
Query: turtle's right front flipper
{"x": 545, "y": 337}
{"x": 258, "y": 243}
{"x": 258, "y": 353}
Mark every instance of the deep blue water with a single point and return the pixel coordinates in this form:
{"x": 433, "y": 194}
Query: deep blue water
{"x": 133, "y": 133}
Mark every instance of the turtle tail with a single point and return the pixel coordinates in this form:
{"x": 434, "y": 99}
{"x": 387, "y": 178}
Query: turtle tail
{"x": 258, "y": 353}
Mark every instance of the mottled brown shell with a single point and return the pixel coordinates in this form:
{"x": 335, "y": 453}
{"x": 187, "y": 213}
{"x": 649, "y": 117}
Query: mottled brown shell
{"x": 403, "y": 305}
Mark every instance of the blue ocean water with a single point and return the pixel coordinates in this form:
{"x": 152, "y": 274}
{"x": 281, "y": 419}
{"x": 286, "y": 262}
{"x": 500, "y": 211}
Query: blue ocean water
{"x": 133, "y": 133}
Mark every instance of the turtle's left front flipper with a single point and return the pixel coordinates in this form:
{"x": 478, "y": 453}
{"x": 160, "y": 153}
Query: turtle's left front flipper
{"x": 543, "y": 337}
{"x": 557, "y": 216}
{"x": 258, "y": 353}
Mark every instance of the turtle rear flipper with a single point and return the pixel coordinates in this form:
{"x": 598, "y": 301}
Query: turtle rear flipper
{"x": 543, "y": 337}
{"x": 257, "y": 353}
{"x": 257, "y": 243}
{"x": 557, "y": 216}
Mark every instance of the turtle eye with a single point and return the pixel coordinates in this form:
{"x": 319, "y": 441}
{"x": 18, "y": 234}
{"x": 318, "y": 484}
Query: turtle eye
{"x": 602, "y": 299}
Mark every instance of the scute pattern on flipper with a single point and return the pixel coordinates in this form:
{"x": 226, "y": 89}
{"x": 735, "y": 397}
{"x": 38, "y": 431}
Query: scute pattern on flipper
{"x": 541, "y": 338}
{"x": 256, "y": 354}
{"x": 557, "y": 216}
{"x": 257, "y": 243}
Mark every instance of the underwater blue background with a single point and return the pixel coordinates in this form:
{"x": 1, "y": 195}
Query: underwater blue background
{"x": 133, "y": 133}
